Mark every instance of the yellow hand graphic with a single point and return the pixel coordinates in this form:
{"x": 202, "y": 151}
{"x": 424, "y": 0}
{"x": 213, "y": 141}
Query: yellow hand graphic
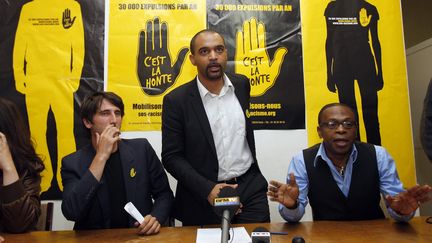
{"x": 252, "y": 59}
{"x": 364, "y": 18}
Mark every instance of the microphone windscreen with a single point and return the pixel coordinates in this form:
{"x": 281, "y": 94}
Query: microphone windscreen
{"x": 227, "y": 199}
{"x": 260, "y": 229}
{"x": 298, "y": 239}
{"x": 228, "y": 192}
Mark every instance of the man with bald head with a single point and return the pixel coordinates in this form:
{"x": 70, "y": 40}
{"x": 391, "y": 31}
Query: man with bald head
{"x": 343, "y": 178}
{"x": 207, "y": 140}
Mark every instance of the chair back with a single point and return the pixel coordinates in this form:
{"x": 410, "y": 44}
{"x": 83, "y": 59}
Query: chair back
{"x": 45, "y": 219}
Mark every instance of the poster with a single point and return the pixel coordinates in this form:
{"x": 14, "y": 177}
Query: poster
{"x": 148, "y": 57}
{"x": 354, "y": 53}
{"x": 264, "y": 44}
{"x": 49, "y": 63}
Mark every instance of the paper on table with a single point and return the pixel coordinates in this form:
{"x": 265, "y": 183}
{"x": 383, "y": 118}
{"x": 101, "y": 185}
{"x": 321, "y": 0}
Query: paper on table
{"x": 133, "y": 211}
{"x": 213, "y": 235}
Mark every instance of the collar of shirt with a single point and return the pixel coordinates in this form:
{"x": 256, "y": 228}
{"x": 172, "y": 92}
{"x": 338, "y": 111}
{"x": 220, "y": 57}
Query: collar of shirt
{"x": 322, "y": 153}
{"x": 203, "y": 91}
{"x": 342, "y": 181}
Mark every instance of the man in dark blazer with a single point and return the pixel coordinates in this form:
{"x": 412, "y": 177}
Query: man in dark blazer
{"x": 101, "y": 178}
{"x": 207, "y": 140}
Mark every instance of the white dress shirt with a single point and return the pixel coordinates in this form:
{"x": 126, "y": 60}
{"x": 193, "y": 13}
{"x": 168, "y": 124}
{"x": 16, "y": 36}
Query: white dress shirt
{"x": 228, "y": 127}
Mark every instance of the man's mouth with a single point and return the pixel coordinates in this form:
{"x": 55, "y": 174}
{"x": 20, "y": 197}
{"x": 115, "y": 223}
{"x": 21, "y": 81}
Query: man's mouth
{"x": 341, "y": 142}
{"x": 214, "y": 67}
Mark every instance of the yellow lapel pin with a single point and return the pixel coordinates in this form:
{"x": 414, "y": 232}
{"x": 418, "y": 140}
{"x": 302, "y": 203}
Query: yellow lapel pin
{"x": 132, "y": 172}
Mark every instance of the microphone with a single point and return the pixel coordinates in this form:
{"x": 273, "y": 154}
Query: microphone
{"x": 226, "y": 205}
{"x": 260, "y": 235}
{"x": 298, "y": 239}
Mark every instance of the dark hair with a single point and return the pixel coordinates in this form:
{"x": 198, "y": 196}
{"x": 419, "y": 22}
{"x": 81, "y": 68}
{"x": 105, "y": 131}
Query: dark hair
{"x": 332, "y": 105}
{"x": 192, "y": 42}
{"x": 19, "y": 141}
{"x": 93, "y": 102}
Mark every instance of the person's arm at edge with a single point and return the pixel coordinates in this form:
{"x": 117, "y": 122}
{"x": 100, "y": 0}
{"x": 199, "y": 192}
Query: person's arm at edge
{"x": 20, "y": 204}
{"x": 426, "y": 123}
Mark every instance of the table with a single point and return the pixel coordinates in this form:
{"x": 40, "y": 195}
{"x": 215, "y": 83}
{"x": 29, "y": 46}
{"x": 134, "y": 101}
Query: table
{"x": 383, "y": 230}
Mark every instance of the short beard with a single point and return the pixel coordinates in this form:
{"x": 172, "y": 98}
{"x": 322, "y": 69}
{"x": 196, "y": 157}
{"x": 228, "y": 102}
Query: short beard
{"x": 213, "y": 76}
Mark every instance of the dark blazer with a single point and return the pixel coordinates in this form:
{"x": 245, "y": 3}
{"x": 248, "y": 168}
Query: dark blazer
{"x": 85, "y": 200}
{"x": 188, "y": 149}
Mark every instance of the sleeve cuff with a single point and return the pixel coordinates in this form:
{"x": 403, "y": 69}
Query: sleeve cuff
{"x": 398, "y": 217}
{"x": 12, "y": 192}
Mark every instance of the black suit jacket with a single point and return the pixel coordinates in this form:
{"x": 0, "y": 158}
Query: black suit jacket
{"x": 188, "y": 149}
{"x": 85, "y": 200}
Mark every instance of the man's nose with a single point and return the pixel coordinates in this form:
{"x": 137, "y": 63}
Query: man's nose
{"x": 113, "y": 118}
{"x": 213, "y": 55}
{"x": 340, "y": 128}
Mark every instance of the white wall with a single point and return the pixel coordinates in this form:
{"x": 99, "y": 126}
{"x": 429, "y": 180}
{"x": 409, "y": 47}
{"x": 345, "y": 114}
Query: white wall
{"x": 275, "y": 148}
{"x": 419, "y": 66}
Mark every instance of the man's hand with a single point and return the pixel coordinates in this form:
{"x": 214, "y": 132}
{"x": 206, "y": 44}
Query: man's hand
{"x": 252, "y": 59}
{"x": 149, "y": 226}
{"x": 215, "y": 191}
{"x": 156, "y": 70}
{"x": 286, "y": 194}
{"x": 107, "y": 141}
{"x": 67, "y": 20}
{"x": 408, "y": 201}
{"x": 106, "y": 144}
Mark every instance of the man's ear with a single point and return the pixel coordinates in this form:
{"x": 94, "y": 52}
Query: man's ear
{"x": 192, "y": 59}
{"x": 88, "y": 124}
{"x": 319, "y": 131}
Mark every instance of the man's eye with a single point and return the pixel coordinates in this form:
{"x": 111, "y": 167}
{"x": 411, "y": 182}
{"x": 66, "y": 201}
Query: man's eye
{"x": 203, "y": 52}
{"x": 220, "y": 49}
{"x": 332, "y": 124}
{"x": 348, "y": 124}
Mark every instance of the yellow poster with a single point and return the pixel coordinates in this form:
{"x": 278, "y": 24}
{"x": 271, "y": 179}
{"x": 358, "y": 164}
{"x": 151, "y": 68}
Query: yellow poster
{"x": 148, "y": 48}
{"x": 354, "y": 53}
{"x": 48, "y": 58}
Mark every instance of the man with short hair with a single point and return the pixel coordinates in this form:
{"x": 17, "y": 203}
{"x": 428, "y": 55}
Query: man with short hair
{"x": 102, "y": 177}
{"x": 207, "y": 140}
{"x": 426, "y": 123}
{"x": 343, "y": 178}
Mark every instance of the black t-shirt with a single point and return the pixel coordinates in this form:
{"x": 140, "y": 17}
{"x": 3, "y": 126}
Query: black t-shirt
{"x": 113, "y": 174}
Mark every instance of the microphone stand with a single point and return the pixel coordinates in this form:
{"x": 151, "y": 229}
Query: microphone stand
{"x": 225, "y": 227}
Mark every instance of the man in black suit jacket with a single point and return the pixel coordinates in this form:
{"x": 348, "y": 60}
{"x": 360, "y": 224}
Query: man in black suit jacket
{"x": 101, "y": 178}
{"x": 208, "y": 142}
